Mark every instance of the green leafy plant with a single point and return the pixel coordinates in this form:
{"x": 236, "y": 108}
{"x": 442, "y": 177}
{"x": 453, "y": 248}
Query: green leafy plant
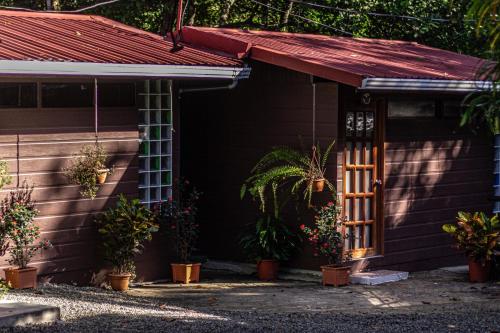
{"x": 475, "y": 234}
{"x": 123, "y": 230}
{"x": 18, "y": 214}
{"x": 287, "y": 169}
{"x": 178, "y": 219}
{"x": 4, "y": 288}
{"x": 269, "y": 238}
{"x": 5, "y": 177}
{"x": 86, "y": 168}
{"x": 326, "y": 236}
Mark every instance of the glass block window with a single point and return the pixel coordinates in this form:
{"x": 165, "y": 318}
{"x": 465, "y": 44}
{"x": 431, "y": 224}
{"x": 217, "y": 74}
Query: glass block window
{"x": 155, "y": 130}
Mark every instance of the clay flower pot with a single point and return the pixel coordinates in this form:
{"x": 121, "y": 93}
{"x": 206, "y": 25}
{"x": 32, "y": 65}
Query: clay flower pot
{"x": 318, "y": 185}
{"x": 102, "y": 174}
{"x": 21, "y": 278}
{"x": 479, "y": 272}
{"x": 119, "y": 282}
{"x": 186, "y": 273}
{"x": 335, "y": 275}
{"x": 267, "y": 270}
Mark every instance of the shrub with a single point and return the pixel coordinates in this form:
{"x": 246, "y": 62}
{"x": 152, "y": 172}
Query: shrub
{"x": 85, "y": 169}
{"x": 18, "y": 214}
{"x": 326, "y": 235}
{"x": 475, "y": 234}
{"x": 123, "y": 230}
{"x": 5, "y": 177}
{"x": 178, "y": 219}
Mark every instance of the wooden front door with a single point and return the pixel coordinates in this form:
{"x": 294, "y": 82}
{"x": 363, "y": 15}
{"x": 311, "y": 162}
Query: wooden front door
{"x": 363, "y": 177}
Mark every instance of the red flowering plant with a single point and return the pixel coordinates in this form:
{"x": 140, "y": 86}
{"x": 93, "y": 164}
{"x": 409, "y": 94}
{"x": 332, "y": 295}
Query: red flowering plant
{"x": 17, "y": 214}
{"x": 178, "y": 219}
{"x": 326, "y": 236}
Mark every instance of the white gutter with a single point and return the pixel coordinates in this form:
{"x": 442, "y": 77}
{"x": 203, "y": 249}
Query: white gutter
{"x": 382, "y": 84}
{"x": 54, "y": 68}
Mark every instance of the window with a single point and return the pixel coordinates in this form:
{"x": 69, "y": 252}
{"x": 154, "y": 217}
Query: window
{"x": 17, "y": 95}
{"x": 59, "y": 95}
{"x": 116, "y": 94}
{"x": 411, "y": 108}
{"x": 452, "y": 108}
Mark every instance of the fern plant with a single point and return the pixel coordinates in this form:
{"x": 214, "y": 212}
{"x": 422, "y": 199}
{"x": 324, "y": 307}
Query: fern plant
{"x": 287, "y": 169}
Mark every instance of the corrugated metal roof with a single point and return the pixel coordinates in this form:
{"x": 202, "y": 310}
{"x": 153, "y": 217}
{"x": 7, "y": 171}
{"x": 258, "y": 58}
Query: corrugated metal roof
{"x": 342, "y": 59}
{"x": 38, "y": 36}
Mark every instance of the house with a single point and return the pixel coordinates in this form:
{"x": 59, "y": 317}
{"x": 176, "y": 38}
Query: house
{"x": 403, "y": 166}
{"x": 69, "y": 80}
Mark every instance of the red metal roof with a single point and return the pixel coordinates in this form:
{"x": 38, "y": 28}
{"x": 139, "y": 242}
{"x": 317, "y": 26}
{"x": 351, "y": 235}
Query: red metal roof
{"x": 94, "y": 39}
{"x": 342, "y": 59}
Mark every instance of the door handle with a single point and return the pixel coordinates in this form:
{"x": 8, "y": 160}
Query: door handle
{"x": 377, "y": 182}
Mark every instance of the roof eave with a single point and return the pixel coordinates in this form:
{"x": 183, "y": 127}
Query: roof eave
{"x": 424, "y": 85}
{"x": 79, "y": 69}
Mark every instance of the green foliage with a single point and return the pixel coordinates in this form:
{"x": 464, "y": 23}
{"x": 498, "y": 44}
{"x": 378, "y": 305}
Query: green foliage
{"x": 269, "y": 238}
{"x": 85, "y": 169}
{"x": 475, "y": 234}
{"x": 326, "y": 236}
{"x": 178, "y": 219}
{"x": 287, "y": 171}
{"x": 5, "y": 178}
{"x": 4, "y": 288}
{"x": 123, "y": 230}
{"x": 484, "y": 12}
{"x": 18, "y": 214}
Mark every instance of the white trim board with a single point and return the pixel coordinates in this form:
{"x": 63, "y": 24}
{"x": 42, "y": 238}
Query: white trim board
{"x": 56, "y": 68}
{"x": 385, "y": 84}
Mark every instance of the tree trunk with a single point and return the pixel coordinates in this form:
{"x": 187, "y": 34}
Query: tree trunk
{"x": 286, "y": 15}
{"x": 226, "y": 10}
{"x": 496, "y": 172}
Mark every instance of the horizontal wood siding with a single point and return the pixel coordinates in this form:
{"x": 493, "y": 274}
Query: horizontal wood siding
{"x": 38, "y": 145}
{"x": 225, "y": 133}
{"x": 433, "y": 169}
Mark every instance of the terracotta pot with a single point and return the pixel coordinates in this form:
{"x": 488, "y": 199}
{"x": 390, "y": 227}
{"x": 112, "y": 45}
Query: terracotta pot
{"x": 119, "y": 282}
{"x": 186, "y": 273}
{"x": 102, "y": 174}
{"x": 267, "y": 270}
{"x": 21, "y": 278}
{"x": 318, "y": 185}
{"x": 479, "y": 272}
{"x": 335, "y": 275}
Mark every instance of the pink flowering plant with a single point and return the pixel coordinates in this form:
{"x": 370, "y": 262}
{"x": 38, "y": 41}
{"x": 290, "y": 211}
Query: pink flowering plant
{"x": 178, "y": 219}
{"x": 18, "y": 213}
{"x": 326, "y": 235}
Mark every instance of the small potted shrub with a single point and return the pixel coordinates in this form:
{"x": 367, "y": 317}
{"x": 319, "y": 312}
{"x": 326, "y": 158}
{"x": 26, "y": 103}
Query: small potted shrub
{"x": 178, "y": 219}
{"x": 18, "y": 213}
{"x": 477, "y": 235}
{"x": 123, "y": 230}
{"x": 89, "y": 170}
{"x": 327, "y": 240}
{"x": 268, "y": 242}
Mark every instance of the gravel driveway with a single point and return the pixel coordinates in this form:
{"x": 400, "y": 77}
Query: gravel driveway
{"x": 424, "y": 303}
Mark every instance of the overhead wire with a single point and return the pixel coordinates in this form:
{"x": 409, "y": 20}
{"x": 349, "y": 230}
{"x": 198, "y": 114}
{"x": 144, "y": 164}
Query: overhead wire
{"x": 303, "y": 18}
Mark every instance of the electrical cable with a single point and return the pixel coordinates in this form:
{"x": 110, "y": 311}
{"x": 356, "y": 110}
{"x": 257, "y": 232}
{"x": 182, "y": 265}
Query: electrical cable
{"x": 303, "y": 18}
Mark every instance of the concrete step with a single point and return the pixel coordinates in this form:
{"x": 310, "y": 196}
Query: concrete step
{"x": 378, "y": 277}
{"x": 19, "y": 314}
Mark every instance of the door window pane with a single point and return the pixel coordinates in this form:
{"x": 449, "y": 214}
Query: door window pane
{"x": 349, "y": 124}
{"x": 360, "y": 123}
{"x": 17, "y": 95}
{"x": 369, "y": 124}
{"x": 369, "y": 153}
{"x": 349, "y": 152}
{"x": 116, "y": 94}
{"x": 368, "y": 180}
{"x": 368, "y": 209}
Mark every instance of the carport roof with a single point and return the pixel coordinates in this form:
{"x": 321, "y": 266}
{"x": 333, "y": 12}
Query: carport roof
{"x": 342, "y": 59}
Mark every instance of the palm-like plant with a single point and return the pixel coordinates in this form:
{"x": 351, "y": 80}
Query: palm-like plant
{"x": 287, "y": 169}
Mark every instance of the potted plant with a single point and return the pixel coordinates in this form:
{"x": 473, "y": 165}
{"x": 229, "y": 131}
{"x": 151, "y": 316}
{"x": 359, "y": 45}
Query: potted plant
{"x": 89, "y": 170}
{"x": 327, "y": 240}
{"x": 477, "y": 235}
{"x": 178, "y": 219}
{"x": 123, "y": 230}
{"x": 18, "y": 213}
{"x": 268, "y": 242}
{"x": 287, "y": 167}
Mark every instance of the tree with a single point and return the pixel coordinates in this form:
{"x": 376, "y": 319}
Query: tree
{"x": 484, "y": 108}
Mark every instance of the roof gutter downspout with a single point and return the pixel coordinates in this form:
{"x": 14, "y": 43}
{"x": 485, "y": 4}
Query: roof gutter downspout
{"x": 213, "y": 88}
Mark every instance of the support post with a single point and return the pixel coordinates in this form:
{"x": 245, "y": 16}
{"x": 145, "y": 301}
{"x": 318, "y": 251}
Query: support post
{"x": 96, "y": 110}
{"x": 496, "y": 173}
